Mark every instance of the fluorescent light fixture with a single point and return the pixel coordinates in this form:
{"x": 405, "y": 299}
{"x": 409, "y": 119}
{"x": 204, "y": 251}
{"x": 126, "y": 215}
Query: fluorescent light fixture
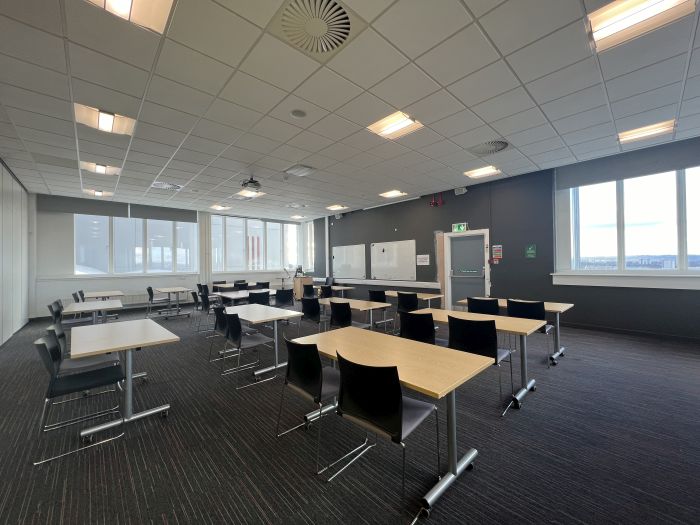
{"x": 100, "y": 169}
{"x": 623, "y": 20}
{"x": 219, "y": 207}
{"x": 98, "y": 193}
{"x": 336, "y": 207}
{"x": 393, "y": 194}
{"x": 647, "y": 132}
{"x": 482, "y": 172}
{"x": 395, "y": 125}
{"x": 249, "y": 194}
{"x": 299, "y": 170}
{"x": 103, "y": 120}
{"x": 151, "y": 14}
{"x": 298, "y": 217}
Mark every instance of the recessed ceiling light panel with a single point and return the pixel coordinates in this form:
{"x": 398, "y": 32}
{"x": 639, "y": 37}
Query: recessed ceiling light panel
{"x": 98, "y": 193}
{"x": 250, "y": 194}
{"x": 486, "y": 171}
{"x": 151, "y": 14}
{"x": 103, "y": 120}
{"x": 336, "y": 207}
{"x": 298, "y": 217}
{"x": 647, "y": 132}
{"x": 219, "y": 207}
{"x": 100, "y": 169}
{"x": 395, "y": 125}
{"x": 393, "y": 194}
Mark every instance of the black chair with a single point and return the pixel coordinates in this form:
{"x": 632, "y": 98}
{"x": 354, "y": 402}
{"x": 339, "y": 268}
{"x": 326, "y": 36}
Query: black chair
{"x": 310, "y": 379}
{"x": 239, "y": 281}
{"x": 379, "y": 296}
{"x": 195, "y": 300}
{"x": 407, "y": 301}
{"x": 372, "y": 397}
{"x": 206, "y": 310}
{"x": 220, "y": 329}
{"x": 153, "y": 301}
{"x": 284, "y": 297}
{"x": 309, "y": 290}
{"x": 214, "y": 286}
{"x": 480, "y": 337}
{"x": 263, "y": 285}
{"x": 240, "y": 286}
{"x": 341, "y": 316}
{"x": 212, "y": 298}
{"x": 311, "y": 311}
{"x": 326, "y": 292}
{"x": 419, "y": 327}
{"x": 483, "y": 305}
{"x": 63, "y": 384}
{"x": 82, "y": 295}
{"x": 56, "y": 309}
{"x": 199, "y": 288}
{"x": 532, "y": 310}
{"x": 259, "y": 298}
{"x": 240, "y": 341}
{"x": 57, "y": 342}
{"x": 329, "y": 281}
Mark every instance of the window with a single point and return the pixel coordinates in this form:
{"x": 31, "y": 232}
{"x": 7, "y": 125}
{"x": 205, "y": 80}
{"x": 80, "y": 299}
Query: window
{"x": 692, "y": 205}
{"x": 256, "y": 238}
{"x": 91, "y": 244}
{"x": 186, "y": 255}
{"x": 217, "y": 243}
{"x": 291, "y": 246}
{"x": 595, "y": 208}
{"x": 273, "y": 248}
{"x": 128, "y": 245}
{"x": 235, "y": 244}
{"x": 160, "y": 245}
{"x": 651, "y": 240}
{"x": 309, "y": 246}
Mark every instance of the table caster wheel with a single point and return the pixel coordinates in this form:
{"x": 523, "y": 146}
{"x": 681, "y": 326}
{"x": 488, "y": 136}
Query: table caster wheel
{"x": 470, "y": 466}
{"x": 88, "y": 440}
{"x": 554, "y": 363}
{"x": 425, "y": 513}
{"x": 534, "y": 387}
{"x": 164, "y": 414}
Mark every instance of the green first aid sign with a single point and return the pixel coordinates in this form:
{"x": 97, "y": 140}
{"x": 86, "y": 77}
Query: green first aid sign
{"x": 459, "y": 227}
{"x": 530, "y": 251}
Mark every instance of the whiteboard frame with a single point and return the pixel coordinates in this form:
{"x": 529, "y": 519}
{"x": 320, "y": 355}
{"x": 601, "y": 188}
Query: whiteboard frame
{"x": 400, "y": 278}
{"x": 363, "y": 259}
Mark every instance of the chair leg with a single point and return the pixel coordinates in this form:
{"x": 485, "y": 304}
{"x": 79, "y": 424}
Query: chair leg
{"x": 44, "y": 414}
{"x": 512, "y": 388}
{"x": 403, "y": 474}
{"x": 318, "y": 443}
{"x": 500, "y": 387}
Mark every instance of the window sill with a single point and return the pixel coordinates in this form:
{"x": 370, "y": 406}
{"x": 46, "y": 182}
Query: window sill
{"x": 669, "y": 281}
{"x": 103, "y": 276}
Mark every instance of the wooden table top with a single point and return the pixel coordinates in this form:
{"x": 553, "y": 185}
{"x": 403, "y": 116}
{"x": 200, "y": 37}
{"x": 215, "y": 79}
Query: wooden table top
{"x": 259, "y": 313}
{"x": 432, "y": 370}
{"x": 242, "y": 294}
{"x": 335, "y": 287}
{"x": 355, "y": 304}
{"x": 93, "y": 306}
{"x": 553, "y": 308}
{"x": 510, "y": 325}
{"x": 113, "y": 337}
{"x": 421, "y": 296}
{"x": 173, "y": 289}
{"x": 99, "y": 295}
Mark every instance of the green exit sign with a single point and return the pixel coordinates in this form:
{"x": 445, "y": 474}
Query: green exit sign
{"x": 459, "y": 227}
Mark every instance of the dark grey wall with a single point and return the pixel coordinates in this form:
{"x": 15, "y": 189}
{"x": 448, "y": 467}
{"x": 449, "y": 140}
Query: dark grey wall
{"x": 320, "y": 248}
{"x": 517, "y": 212}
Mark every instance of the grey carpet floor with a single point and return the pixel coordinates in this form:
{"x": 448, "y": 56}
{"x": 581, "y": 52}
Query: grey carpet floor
{"x": 610, "y": 436}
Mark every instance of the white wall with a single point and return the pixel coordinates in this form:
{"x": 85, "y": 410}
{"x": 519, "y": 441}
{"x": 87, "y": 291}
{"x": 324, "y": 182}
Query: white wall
{"x": 13, "y": 256}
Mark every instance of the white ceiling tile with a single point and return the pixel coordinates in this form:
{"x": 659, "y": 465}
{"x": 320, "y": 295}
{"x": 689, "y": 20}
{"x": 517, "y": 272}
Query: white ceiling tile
{"x": 273, "y": 163}
{"x": 152, "y": 148}
{"x": 166, "y": 117}
{"x": 583, "y": 100}
{"x": 100, "y": 69}
{"x": 216, "y": 131}
{"x": 690, "y": 107}
{"x": 457, "y": 123}
{"x": 595, "y": 145}
{"x": 557, "y": 163}
{"x": 646, "y": 118}
{"x": 35, "y": 78}
{"x": 530, "y": 136}
{"x": 646, "y": 79}
{"x": 256, "y": 11}
{"x": 279, "y": 64}
{"x": 582, "y": 120}
{"x": 558, "y": 50}
{"x": 694, "y": 68}
{"x": 339, "y": 151}
{"x": 449, "y": 62}
{"x": 98, "y": 96}
{"x": 328, "y": 89}
{"x": 212, "y": 30}
{"x": 435, "y": 107}
{"x": 147, "y": 131}
{"x": 100, "y": 137}
{"x": 658, "y": 45}
{"x": 364, "y": 140}
{"x": 256, "y": 143}
{"x": 692, "y": 88}
{"x": 520, "y": 121}
{"x": 414, "y": 26}
{"x": 309, "y": 141}
{"x": 542, "y": 146}
{"x": 594, "y": 132}
{"x": 283, "y": 111}
{"x": 252, "y": 93}
{"x": 389, "y": 150}
{"x": 177, "y": 96}
{"x": 290, "y": 153}
{"x": 39, "y": 13}
{"x": 368, "y": 9}
{"x": 440, "y": 149}
{"x": 319, "y": 161}
{"x": 12, "y": 96}
{"x": 275, "y": 129}
{"x": 334, "y": 127}
{"x": 192, "y": 68}
{"x": 232, "y": 114}
{"x": 420, "y": 138}
{"x": 458, "y": 159}
{"x": 504, "y": 105}
{"x": 365, "y": 110}
{"x": 352, "y": 63}
{"x": 565, "y": 81}
{"x": 475, "y": 136}
{"x": 406, "y": 86}
{"x": 201, "y": 145}
{"x": 481, "y": 7}
{"x": 484, "y": 84}
{"x": 517, "y": 23}
{"x": 598, "y": 153}
{"x": 689, "y": 122}
{"x": 646, "y": 101}
{"x": 42, "y": 137}
{"x": 32, "y": 45}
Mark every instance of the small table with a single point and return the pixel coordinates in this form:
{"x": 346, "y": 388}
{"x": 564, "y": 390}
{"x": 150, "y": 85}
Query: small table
{"x": 553, "y": 308}
{"x": 421, "y": 296}
{"x": 258, "y": 313}
{"x": 429, "y": 369}
{"x": 104, "y": 295}
{"x": 360, "y": 305}
{"x": 510, "y": 325}
{"x": 93, "y": 307}
{"x": 177, "y": 290}
{"x": 242, "y": 294}
{"x": 337, "y": 288}
{"x": 123, "y": 337}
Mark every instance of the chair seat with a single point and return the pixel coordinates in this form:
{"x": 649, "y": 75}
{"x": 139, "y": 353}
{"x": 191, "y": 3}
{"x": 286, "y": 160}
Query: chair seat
{"x": 72, "y": 366}
{"x": 331, "y": 383}
{"x": 546, "y": 329}
{"x": 78, "y": 382}
{"x": 414, "y": 413}
{"x": 253, "y": 340}
{"x": 502, "y": 354}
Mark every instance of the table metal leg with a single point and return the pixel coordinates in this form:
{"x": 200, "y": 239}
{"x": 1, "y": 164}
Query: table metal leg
{"x": 94, "y": 317}
{"x": 526, "y": 385}
{"x": 128, "y": 408}
{"x": 371, "y": 320}
{"x": 277, "y": 364}
{"x": 559, "y": 350}
{"x": 455, "y": 466}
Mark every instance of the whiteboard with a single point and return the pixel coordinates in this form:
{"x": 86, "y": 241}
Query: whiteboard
{"x": 349, "y": 261}
{"x": 394, "y": 261}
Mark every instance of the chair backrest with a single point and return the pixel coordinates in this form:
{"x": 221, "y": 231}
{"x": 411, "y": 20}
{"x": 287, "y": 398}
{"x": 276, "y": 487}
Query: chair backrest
{"x": 304, "y": 369}
{"x": 239, "y": 281}
{"x": 199, "y": 287}
{"x": 407, "y": 301}
{"x": 329, "y": 281}
{"x": 476, "y": 337}
{"x": 234, "y": 332}
{"x": 56, "y": 330}
{"x": 526, "y": 309}
{"x": 76, "y": 297}
{"x": 55, "y": 314}
{"x": 377, "y": 296}
{"x": 418, "y": 327}
{"x": 259, "y": 298}
{"x": 149, "y": 289}
{"x": 58, "y": 305}
{"x": 48, "y": 353}
{"x": 218, "y": 282}
{"x": 263, "y": 285}
{"x": 326, "y": 291}
{"x": 240, "y": 285}
{"x": 205, "y": 289}
{"x": 206, "y": 305}
{"x": 309, "y": 290}
{"x": 372, "y": 395}
{"x": 195, "y": 298}
{"x": 483, "y": 305}
{"x": 310, "y": 309}
{"x": 82, "y": 295}
{"x": 284, "y": 297}
{"x": 220, "y": 323}
{"x": 341, "y": 315}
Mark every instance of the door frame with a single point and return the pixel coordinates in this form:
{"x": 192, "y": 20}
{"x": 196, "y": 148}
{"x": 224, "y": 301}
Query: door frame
{"x": 448, "y": 263}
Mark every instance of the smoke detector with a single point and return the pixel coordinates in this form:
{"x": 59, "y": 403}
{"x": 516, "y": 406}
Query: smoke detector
{"x": 318, "y": 28}
{"x": 161, "y": 185}
{"x": 488, "y": 148}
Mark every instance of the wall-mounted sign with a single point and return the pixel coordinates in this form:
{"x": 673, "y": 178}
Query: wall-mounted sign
{"x": 530, "y": 251}
{"x": 497, "y": 251}
{"x": 423, "y": 260}
{"x": 459, "y": 227}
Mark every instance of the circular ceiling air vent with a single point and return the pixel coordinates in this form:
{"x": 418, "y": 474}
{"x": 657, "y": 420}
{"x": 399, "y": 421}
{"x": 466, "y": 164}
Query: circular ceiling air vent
{"x": 316, "y": 26}
{"x": 488, "y": 148}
